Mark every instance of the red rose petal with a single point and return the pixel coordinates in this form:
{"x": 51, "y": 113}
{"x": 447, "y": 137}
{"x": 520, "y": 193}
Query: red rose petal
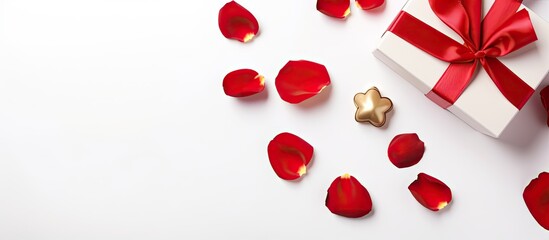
{"x": 334, "y": 8}
{"x": 289, "y": 155}
{"x": 243, "y": 83}
{"x": 347, "y": 197}
{"x": 368, "y": 4}
{"x": 300, "y": 80}
{"x": 536, "y": 197}
{"x": 406, "y": 150}
{"x": 236, "y": 22}
{"x": 430, "y": 192}
{"x": 545, "y": 100}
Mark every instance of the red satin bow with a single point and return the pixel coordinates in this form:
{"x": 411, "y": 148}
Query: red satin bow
{"x": 502, "y": 31}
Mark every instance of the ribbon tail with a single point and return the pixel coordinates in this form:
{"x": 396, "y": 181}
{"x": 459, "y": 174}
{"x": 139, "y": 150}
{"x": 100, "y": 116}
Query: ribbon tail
{"x": 508, "y": 83}
{"x": 452, "y": 83}
{"x": 428, "y": 39}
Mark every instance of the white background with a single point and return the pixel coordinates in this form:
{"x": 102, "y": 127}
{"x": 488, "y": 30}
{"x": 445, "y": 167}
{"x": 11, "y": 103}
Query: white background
{"x": 114, "y": 125}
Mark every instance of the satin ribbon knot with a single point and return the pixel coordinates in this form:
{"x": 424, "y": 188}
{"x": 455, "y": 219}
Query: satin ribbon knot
{"x": 480, "y": 54}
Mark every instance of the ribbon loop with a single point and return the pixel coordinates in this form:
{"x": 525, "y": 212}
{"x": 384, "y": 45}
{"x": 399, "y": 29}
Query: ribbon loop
{"x": 514, "y": 34}
{"x": 462, "y": 16}
{"x": 500, "y": 11}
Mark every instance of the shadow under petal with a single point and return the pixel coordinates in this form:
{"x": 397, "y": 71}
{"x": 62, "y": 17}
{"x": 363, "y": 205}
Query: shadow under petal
{"x": 259, "y": 97}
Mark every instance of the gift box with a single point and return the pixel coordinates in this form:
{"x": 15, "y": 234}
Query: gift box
{"x": 480, "y": 60}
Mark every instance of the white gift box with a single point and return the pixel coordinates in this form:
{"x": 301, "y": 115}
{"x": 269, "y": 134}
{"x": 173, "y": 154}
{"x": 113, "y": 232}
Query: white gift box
{"x": 481, "y": 105}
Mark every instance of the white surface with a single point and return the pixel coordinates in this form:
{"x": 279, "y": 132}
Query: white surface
{"x": 482, "y": 105}
{"x": 114, "y": 125}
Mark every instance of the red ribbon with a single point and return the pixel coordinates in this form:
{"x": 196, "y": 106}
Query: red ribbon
{"x": 503, "y": 30}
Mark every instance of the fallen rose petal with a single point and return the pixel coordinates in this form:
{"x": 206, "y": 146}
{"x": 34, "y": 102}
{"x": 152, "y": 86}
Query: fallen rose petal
{"x": 301, "y": 80}
{"x": 536, "y": 197}
{"x": 347, "y": 197}
{"x": 243, "y": 83}
{"x": 369, "y": 4}
{"x": 430, "y": 192}
{"x": 406, "y": 150}
{"x": 236, "y": 22}
{"x": 334, "y": 8}
{"x": 545, "y": 100}
{"x": 289, "y": 155}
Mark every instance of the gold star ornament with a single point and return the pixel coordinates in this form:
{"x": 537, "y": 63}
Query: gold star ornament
{"x": 371, "y": 107}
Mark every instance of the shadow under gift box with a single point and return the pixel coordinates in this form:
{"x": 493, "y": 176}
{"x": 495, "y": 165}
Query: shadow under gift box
{"x": 481, "y": 105}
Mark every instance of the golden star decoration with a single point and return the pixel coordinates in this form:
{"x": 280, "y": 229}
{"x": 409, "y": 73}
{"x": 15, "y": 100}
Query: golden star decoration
{"x": 371, "y": 107}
